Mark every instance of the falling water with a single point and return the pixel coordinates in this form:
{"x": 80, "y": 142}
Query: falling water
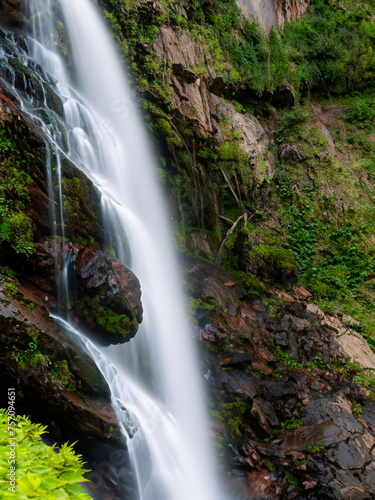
{"x": 155, "y": 378}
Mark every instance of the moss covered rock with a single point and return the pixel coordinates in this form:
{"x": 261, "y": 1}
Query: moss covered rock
{"x": 109, "y": 296}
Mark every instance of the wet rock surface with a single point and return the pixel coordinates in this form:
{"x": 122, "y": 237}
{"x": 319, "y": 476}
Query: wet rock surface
{"x": 11, "y": 12}
{"x": 58, "y": 382}
{"x": 108, "y": 294}
{"x": 106, "y": 286}
{"x": 296, "y": 425}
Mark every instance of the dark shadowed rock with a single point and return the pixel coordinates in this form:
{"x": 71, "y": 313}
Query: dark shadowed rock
{"x": 57, "y": 381}
{"x": 11, "y": 12}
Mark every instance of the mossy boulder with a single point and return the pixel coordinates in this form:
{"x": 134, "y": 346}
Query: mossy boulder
{"x": 109, "y": 296}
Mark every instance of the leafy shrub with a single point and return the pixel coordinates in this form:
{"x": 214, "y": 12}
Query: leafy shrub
{"x": 361, "y": 111}
{"x": 40, "y": 471}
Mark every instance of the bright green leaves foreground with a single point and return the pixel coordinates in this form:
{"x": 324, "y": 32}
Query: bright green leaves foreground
{"x": 40, "y": 472}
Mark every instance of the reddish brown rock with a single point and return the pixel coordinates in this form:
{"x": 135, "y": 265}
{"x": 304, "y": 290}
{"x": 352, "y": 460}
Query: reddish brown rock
{"x": 298, "y": 423}
{"x": 108, "y": 287}
{"x": 11, "y": 12}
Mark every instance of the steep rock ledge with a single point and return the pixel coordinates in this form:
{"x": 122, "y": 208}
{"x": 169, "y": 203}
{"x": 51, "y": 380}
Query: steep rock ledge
{"x": 51, "y": 369}
{"x": 196, "y": 102}
{"x": 273, "y": 13}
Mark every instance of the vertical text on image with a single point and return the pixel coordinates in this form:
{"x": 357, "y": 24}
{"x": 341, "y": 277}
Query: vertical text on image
{"x": 11, "y": 476}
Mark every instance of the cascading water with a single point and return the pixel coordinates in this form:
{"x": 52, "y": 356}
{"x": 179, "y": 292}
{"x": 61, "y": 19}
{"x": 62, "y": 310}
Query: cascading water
{"x": 155, "y": 376}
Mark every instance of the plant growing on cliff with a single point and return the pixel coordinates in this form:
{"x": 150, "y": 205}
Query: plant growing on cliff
{"x": 234, "y": 414}
{"x": 42, "y": 471}
{"x": 15, "y": 226}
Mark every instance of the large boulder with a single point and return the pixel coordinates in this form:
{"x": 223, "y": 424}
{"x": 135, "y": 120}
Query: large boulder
{"x": 108, "y": 294}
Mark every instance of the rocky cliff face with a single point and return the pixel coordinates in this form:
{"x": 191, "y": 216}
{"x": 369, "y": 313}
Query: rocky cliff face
{"x": 296, "y": 428}
{"x": 273, "y": 12}
{"x": 290, "y": 386}
{"x": 289, "y": 10}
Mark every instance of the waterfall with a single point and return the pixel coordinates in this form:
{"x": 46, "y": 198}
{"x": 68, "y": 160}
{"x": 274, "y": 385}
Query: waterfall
{"x": 154, "y": 379}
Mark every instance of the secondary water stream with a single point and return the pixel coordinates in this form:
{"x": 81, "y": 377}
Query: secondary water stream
{"x": 154, "y": 379}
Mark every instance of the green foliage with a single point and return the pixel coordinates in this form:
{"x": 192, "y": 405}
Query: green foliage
{"x": 15, "y": 226}
{"x": 79, "y": 215}
{"x": 316, "y": 448}
{"x": 270, "y": 466}
{"x": 332, "y": 246}
{"x": 273, "y": 259}
{"x": 361, "y": 111}
{"x": 168, "y": 132}
{"x": 234, "y": 413}
{"x": 332, "y": 47}
{"x": 195, "y": 307}
{"x": 30, "y": 357}
{"x": 291, "y": 478}
{"x": 365, "y": 378}
{"x": 40, "y": 471}
{"x": 63, "y": 375}
{"x": 11, "y": 289}
{"x": 290, "y": 123}
{"x": 285, "y": 359}
{"x": 10, "y": 272}
{"x": 290, "y": 424}
{"x": 357, "y": 409}
{"x": 98, "y": 315}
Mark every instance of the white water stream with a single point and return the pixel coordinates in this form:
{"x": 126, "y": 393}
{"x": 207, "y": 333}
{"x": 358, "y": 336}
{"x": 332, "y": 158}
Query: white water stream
{"x": 155, "y": 376}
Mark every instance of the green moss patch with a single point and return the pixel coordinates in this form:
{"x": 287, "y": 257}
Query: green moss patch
{"x": 102, "y": 317}
{"x": 15, "y": 181}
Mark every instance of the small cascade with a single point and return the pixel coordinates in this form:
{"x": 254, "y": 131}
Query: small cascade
{"x": 154, "y": 379}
